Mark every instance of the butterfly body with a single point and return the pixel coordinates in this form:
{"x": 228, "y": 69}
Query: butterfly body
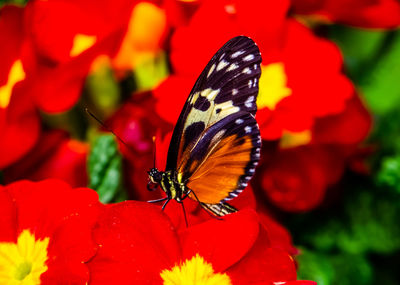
{"x": 169, "y": 183}
{"x": 216, "y": 142}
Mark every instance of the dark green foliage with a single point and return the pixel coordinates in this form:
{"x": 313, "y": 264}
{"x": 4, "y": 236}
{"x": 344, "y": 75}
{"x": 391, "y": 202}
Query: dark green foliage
{"x": 14, "y": 2}
{"x": 335, "y": 268}
{"x": 389, "y": 173}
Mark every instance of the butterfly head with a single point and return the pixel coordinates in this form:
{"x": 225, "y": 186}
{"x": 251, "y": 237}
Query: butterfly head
{"x": 155, "y": 177}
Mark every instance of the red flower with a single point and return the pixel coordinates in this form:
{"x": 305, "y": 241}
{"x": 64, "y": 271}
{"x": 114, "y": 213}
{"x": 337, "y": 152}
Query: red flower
{"x": 138, "y": 235}
{"x": 54, "y": 156}
{"x": 59, "y": 52}
{"x": 19, "y": 121}
{"x": 36, "y": 244}
{"x": 296, "y": 178}
{"x": 297, "y": 67}
{"x": 361, "y": 13}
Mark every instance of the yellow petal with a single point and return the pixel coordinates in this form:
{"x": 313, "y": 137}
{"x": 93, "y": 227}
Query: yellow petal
{"x": 15, "y": 75}
{"x": 81, "y": 43}
{"x": 293, "y": 139}
{"x": 194, "y": 271}
{"x": 272, "y": 85}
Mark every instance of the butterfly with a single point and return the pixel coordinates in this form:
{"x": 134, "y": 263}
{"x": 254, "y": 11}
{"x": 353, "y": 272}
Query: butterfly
{"x": 215, "y": 145}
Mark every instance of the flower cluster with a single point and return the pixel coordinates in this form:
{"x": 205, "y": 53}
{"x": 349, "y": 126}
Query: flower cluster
{"x": 129, "y": 242}
{"x": 131, "y": 65}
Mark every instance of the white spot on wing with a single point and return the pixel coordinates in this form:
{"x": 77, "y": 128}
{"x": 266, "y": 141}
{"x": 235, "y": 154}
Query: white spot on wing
{"x": 211, "y": 70}
{"x": 239, "y": 121}
{"x": 236, "y": 54}
{"x": 249, "y": 102}
{"x": 234, "y": 91}
{"x": 250, "y": 83}
{"x": 246, "y": 70}
{"x": 255, "y": 82}
{"x": 222, "y": 64}
{"x": 233, "y": 66}
{"x": 247, "y": 129}
{"x": 248, "y": 57}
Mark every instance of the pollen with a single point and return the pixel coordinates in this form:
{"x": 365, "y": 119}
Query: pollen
{"x": 15, "y": 75}
{"x": 272, "y": 85}
{"x": 23, "y": 262}
{"x": 194, "y": 271}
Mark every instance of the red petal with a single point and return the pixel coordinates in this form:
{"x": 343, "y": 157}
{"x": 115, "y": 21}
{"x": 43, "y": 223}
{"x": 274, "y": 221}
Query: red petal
{"x": 137, "y": 242}
{"x": 222, "y": 243}
{"x": 263, "y": 264}
{"x": 54, "y": 156}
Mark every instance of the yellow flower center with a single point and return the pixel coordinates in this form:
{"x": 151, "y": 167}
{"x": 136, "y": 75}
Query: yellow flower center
{"x": 81, "y": 43}
{"x": 293, "y": 139}
{"x": 15, "y": 75}
{"x": 194, "y": 271}
{"x": 272, "y": 85}
{"x": 23, "y": 262}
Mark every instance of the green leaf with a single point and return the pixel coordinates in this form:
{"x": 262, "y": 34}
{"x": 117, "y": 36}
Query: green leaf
{"x": 105, "y": 169}
{"x": 358, "y": 46}
{"x": 389, "y": 174}
{"x": 372, "y": 60}
{"x": 379, "y": 83}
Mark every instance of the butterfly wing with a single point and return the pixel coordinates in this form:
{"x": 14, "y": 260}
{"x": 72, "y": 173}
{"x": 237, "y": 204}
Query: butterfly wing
{"x": 227, "y": 85}
{"x": 219, "y": 166}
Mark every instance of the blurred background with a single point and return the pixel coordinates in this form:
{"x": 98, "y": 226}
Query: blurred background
{"x": 328, "y": 110}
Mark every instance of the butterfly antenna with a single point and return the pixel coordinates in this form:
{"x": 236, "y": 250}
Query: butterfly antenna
{"x": 107, "y": 128}
{"x": 155, "y": 151}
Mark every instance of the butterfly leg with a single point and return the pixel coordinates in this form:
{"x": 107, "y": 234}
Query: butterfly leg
{"x": 186, "y": 195}
{"x": 158, "y": 200}
{"x": 165, "y": 204}
{"x": 184, "y": 212}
